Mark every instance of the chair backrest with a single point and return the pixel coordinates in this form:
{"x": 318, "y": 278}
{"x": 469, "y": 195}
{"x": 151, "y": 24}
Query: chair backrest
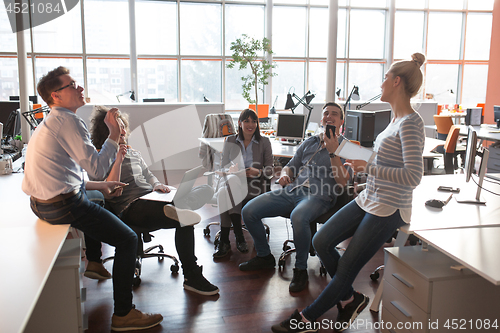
{"x": 216, "y": 125}
{"x": 451, "y": 141}
{"x": 443, "y": 123}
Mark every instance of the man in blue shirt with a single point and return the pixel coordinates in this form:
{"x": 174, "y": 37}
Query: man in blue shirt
{"x": 311, "y": 182}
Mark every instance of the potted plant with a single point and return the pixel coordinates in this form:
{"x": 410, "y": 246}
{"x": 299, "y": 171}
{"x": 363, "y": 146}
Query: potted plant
{"x": 246, "y": 51}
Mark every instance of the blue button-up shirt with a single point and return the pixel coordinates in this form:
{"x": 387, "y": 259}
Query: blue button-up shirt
{"x": 247, "y": 153}
{"x": 318, "y": 175}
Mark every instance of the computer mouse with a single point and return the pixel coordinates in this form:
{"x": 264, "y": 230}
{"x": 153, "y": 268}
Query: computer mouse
{"x": 435, "y": 203}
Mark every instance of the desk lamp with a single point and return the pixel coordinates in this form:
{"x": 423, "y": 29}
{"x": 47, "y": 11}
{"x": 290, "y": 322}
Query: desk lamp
{"x": 354, "y": 94}
{"x": 305, "y": 100}
{"x": 132, "y": 95}
{"x": 358, "y": 107}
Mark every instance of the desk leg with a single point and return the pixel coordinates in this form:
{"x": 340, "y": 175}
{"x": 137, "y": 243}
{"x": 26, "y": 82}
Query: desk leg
{"x": 400, "y": 242}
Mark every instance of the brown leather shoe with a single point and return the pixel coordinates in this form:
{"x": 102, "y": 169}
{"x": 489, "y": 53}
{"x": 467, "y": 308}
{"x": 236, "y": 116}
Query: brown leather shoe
{"x": 135, "y": 320}
{"x": 96, "y": 270}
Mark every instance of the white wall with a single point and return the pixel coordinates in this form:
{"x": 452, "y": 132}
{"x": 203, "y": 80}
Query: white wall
{"x": 164, "y": 132}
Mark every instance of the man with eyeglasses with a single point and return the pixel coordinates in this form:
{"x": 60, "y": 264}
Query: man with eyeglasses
{"x": 57, "y": 152}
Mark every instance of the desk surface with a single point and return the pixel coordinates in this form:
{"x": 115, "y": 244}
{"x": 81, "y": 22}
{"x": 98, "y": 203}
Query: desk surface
{"x": 29, "y": 249}
{"x": 475, "y": 248}
{"x": 454, "y": 214}
{"x": 279, "y": 149}
{"x": 484, "y": 132}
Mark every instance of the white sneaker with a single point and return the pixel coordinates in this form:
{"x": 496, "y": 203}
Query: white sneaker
{"x": 185, "y": 217}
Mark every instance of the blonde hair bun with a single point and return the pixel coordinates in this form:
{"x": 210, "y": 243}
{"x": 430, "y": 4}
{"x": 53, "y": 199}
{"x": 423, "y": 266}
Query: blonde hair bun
{"x": 418, "y": 58}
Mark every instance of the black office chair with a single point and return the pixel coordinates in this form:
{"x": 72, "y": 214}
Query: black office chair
{"x": 342, "y": 200}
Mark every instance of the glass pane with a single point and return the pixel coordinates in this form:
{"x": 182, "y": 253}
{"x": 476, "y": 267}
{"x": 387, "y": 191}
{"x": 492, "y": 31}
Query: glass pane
{"x": 235, "y": 26}
{"x": 107, "y": 79}
{"x": 340, "y": 82}
{"x": 478, "y": 36}
{"x": 157, "y": 78}
{"x": 367, "y": 43}
{"x": 317, "y": 80}
{"x": 7, "y": 37}
{"x": 342, "y": 34}
{"x": 9, "y": 78}
{"x": 480, "y": 4}
{"x": 368, "y": 77}
{"x": 234, "y": 98}
{"x": 201, "y": 29}
{"x": 414, "y": 4}
{"x": 321, "y": 2}
{"x": 156, "y": 24}
{"x": 318, "y": 42}
{"x": 474, "y": 85}
{"x": 369, "y": 3}
{"x": 444, "y": 36}
{"x": 289, "y": 31}
{"x": 61, "y": 35}
{"x": 249, "y": 1}
{"x": 442, "y": 81}
{"x": 201, "y": 78}
{"x": 290, "y": 78}
{"x": 105, "y": 34}
{"x": 446, "y": 4}
{"x": 291, "y": 2}
{"x": 408, "y": 34}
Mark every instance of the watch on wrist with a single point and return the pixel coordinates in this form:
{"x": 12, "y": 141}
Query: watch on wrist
{"x": 332, "y": 155}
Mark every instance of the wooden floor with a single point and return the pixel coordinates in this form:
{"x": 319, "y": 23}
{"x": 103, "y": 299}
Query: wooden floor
{"x": 248, "y": 301}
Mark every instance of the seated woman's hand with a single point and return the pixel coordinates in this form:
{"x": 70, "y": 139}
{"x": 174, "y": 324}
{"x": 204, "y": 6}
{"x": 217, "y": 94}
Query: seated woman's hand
{"x": 252, "y": 172}
{"x": 233, "y": 168}
{"x": 112, "y": 189}
{"x": 161, "y": 188}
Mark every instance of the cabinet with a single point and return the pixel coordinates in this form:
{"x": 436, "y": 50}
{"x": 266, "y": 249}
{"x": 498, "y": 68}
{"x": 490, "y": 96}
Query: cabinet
{"x": 422, "y": 293}
{"x": 494, "y": 160}
{"x": 60, "y": 307}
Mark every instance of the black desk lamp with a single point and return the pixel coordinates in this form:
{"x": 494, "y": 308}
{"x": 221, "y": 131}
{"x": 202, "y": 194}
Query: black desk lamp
{"x": 305, "y": 100}
{"x": 132, "y": 95}
{"x": 358, "y": 107}
{"x": 354, "y": 94}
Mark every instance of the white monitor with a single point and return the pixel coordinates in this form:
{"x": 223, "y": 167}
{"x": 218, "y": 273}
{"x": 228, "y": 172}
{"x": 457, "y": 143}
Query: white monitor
{"x": 291, "y": 126}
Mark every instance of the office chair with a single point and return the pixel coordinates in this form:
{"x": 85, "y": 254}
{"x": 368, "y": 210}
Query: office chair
{"x": 451, "y": 151}
{"x": 443, "y": 125}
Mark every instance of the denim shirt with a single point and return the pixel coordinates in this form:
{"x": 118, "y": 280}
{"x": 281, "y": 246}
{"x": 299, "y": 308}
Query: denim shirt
{"x": 247, "y": 152}
{"x": 318, "y": 174}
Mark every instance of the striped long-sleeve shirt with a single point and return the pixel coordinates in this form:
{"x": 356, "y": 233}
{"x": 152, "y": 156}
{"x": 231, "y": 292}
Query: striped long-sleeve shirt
{"x": 397, "y": 169}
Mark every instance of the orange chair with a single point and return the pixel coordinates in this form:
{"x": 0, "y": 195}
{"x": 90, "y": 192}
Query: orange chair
{"x": 450, "y": 150}
{"x": 443, "y": 125}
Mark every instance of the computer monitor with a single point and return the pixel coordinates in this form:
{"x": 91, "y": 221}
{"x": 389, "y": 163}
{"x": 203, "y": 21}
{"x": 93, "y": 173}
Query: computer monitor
{"x": 291, "y": 127}
{"x": 365, "y": 126}
{"x": 33, "y": 99}
{"x": 470, "y": 161}
{"x": 496, "y": 114}
{"x": 10, "y": 118}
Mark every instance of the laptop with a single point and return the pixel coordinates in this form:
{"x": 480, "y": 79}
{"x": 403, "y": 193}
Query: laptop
{"x": 184, "y": 188}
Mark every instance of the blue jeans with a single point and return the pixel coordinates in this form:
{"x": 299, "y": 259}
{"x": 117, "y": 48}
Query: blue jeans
{"x": 368, "y": 232}
{"x": 101, "y": 225}
{"x": 300, "y": 205}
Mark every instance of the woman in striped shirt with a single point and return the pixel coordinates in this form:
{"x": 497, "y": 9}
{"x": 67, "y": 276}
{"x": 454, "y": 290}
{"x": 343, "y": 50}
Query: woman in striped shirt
{"x": 378, "y": 211}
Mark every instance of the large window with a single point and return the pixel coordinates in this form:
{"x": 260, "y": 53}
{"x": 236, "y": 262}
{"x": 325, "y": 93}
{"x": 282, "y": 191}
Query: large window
{"x": 182, "y": 47}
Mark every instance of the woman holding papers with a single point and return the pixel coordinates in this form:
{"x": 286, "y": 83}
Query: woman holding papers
{"x": 378, "y": 211}
{"x": 130, "y": 167}
{"x": 248, "y": 159}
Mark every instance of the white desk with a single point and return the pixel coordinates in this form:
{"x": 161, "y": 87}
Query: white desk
{"x": 279, "y": 150}
{"x": 29, "y": 250}
{"x": 450, "y": 217}
{"x": 484, "y": 132}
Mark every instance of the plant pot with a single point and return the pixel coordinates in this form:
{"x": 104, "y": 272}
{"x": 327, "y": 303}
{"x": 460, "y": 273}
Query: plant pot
{"x": 262, "y": 110}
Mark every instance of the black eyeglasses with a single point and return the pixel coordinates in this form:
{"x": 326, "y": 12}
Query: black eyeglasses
{"x": 72, "y": 84}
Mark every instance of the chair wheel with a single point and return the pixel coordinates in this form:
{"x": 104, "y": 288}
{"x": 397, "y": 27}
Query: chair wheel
{"x": 322, "y": 271}
{"x": 281, "y": 263}
{"x": 374, "y": 276}
{"x": 206, "y": 231}
{"x": 136, "y": 282}
{"x": 216, "y": 242}
{"x": 174, "y": 269}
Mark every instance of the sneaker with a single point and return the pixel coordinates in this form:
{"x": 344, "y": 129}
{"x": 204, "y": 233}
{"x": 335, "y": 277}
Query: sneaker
{"x": 95, "y": 270}
{"x": 223, "y": 250}
{"x": 185, "y": 217}
{"x": 135, "y": 320}
{"x": 299, "y": 280}
{"x": 196, "y": 282}
{"x": 294, "y": 324}
{"x": 350, "y": 311}
{"x": 242, "y": 245}
{"x": 257, "y": 263}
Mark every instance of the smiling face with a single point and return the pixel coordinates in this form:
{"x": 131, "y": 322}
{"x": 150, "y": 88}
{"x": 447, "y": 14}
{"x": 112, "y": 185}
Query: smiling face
{"x": 123, "y": 132}
{"x": 248, "y": 127}
{"x": 71, "y": 96}
{"x": 332, "y": 116}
